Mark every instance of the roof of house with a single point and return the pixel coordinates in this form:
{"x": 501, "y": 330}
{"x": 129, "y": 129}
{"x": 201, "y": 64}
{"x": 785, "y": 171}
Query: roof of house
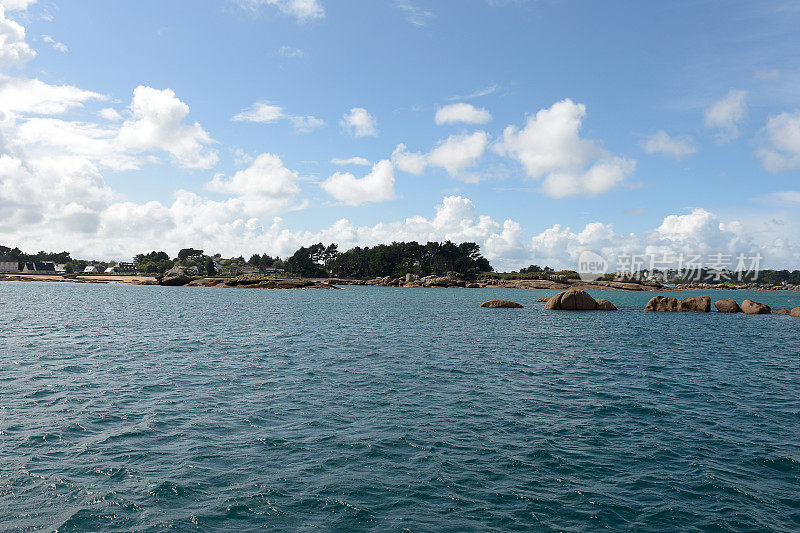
{"x": 8, "y": 259}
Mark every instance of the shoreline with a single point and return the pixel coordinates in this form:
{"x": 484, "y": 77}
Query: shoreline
{"x": 332, "y": 283}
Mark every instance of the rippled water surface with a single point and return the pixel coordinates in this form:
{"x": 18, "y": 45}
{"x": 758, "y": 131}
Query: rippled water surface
{"x": 141, "y": 408}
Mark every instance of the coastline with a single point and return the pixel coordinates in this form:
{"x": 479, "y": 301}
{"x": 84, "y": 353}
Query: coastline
{"x": 430, "y": 282}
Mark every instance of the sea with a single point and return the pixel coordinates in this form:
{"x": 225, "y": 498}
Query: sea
{"x": 148, "y": 408}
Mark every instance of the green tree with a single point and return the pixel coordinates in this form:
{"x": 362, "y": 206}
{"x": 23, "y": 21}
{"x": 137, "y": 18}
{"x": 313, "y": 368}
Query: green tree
{"x": 209, "y": 267}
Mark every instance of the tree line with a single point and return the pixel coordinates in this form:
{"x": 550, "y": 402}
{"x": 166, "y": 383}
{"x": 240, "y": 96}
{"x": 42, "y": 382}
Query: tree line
{"x": 395, "y": 259}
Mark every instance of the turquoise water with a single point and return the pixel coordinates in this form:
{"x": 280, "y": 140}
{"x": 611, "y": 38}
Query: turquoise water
{"x": 146, "y": 408}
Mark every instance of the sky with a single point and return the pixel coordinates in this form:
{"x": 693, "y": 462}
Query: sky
{"x": 538, "y": 129}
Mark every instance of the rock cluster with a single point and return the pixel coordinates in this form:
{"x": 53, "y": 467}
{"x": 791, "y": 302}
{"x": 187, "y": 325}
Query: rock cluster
{"x": 698, "y": 304}
{"x": 177, "y": 276}
{"x": 502, "y": 304}
{"x": 754, "y": 308}
{"x": 577, "y": 300}
{"x": 702, "y": 304}
{"x": 663, "y": 304}
{"x": 727, "y": 306}
{"x": 605, "y": 305}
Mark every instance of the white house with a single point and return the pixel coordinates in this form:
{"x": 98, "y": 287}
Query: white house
{"x": 91, "y": 269}
{"x": 8, "y": 264}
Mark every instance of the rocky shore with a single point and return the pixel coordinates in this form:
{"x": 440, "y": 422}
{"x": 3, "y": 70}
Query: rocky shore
{"x": 179, "y": 277}
{"x": 411, "y": 280}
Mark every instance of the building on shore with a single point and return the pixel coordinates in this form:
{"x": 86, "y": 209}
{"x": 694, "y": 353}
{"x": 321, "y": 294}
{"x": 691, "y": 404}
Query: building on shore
{"x": 9, "y": 264}
{"x": 39, "y": 267}
{"x": 122, "y": 268}
{"x": 91, "y": 269}
{"x": 272, "y": 271}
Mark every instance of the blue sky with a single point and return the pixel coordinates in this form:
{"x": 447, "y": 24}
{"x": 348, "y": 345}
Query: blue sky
{"x": 639, "y": 126}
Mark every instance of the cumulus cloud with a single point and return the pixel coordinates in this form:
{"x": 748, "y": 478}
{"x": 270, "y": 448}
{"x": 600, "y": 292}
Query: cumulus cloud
{"x": 157, "y": 123}
{"x": 779, "y": 148}
{"x": 14, "y": 51}
{"x": 675, "y": 147}
{"x": 459, "y": 152}
{"x": 267, "y": 177}
{"x": 549, "y": 147}
{"x": 462, "y": 112}
{"x": 455, "y": 154}
{"x": 359, "y": 123}
{"x": 302, "y": 10}
{"x": 263, "y": 112}
{"x": 411, "y": 162}
{"x": 21, "y": 95}
{"x": 16, "y": 5}
{"x": 61, "y": 47}
{"x": 351, "y": 161}
{"x": 377, "y": 186}
{"x": 726, "y": 114}
{"x": 306, "y": 124}
{"x": 266, "y": 113}
{"x": 109, "y": 113}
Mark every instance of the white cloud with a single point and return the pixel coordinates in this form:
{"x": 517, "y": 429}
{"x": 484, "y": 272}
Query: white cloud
{"x": 61, "y": 47}
{"x": 263, "y": 112}
{"x": 411, "y": 162}
{"x": 157, "y": 123}
{"x": 726, "y": 113}
{"x": 21, "y": 95}
{"x": 14, "y": 51}
{"x": 414, "y": 14}
{"x": 779, "y": 148}
{"x": 16, "y": 5}
{"x": 459, "y": 152}
{"x": 265, "y": 186}
{"x": 359, "y": 123}
{"x": 302, "y": 10}
{"x": 662, "y": 143}
{"x": 462, "y": 112}
{"x": 550, "y": 148}
{"x": 486, "y": 91}
{"x": 266, "y": 113}
{"x": 109, "y": 113}
{"x": 351, "y": 161}
{"x": 791, "y": 198}
{"x": 290, "y": 51}
{"x": 377, "y": 186}
{"x": 306, "y": 124}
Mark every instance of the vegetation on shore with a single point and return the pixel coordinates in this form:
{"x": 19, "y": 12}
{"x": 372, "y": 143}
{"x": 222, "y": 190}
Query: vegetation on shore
{"x": 397, "y": 259}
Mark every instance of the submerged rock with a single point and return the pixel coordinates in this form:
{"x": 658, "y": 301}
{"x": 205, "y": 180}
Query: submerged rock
{"x": 698, "y": 304}
{"x": 663, "y": 304}
{"x": 754, "y": 308}
{"x": 572, "y": 300}
{"x": 727, "y": 306}
{"x": 782, "y": 311}
{"x": 501, "y": 304}
{"x": 605, "y": 305}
